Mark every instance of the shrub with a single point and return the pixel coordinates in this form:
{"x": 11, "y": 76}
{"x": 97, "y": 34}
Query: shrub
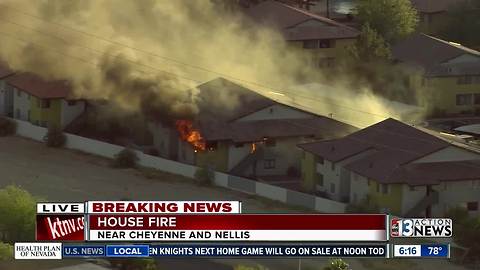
{"x": 6, "y": 252}
{"x": 7, "y": 127}
{"x": 55, "y": 137}
{"x": 204, "y": 176}
{"x": 17, "y": 213}
{"x": 126, "y": 158}
{"x": 246, "y": 267}
{"x": 337, "y": 264}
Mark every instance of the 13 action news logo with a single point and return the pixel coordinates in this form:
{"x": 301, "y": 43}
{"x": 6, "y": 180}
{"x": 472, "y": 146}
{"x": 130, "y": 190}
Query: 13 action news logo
{"x": 421, "y": 227}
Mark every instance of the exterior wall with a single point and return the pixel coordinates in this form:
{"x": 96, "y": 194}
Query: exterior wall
{"x": 451, "y": 153}
{"x": 331, "y": 178}
{"x": 237, "y": 154}
{"x": 70, "y": 112}
{"x": 411, "y": 196}
{"x": 359, "y": 188}
{"x": 215, "y": 159}
{"x": 320, "y": 56}
{"x": 453, "y": 194}
{"x": 441, "y": 95}
{"x": 46, "y": 116}
{"x": 186, "y": 153}
{"x": 162, "y": 139}
{"x": 284, "y": 155}
{"x": 275, "y": 112}
{"x": 6, "y": 99}
{"x": 21, "y": 105}
{"x": 310, "y": 177}
{"x": 389, "y": 202}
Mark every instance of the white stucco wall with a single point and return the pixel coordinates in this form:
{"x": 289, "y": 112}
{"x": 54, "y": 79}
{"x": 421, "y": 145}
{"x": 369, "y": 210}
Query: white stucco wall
{"x": 70, "y": 112}
{"x": 276, "y": 111}
{"x": 161, "y": 138}
{"x": 330, "y": 176}
{"x": 410, "y": 197}
{"x": 21, "y": 104}
{"x": 359, "y": 187}
{"x": 452, "y": 194}
{"x": 450, "y": 153}
{"x": 237, "y": 154}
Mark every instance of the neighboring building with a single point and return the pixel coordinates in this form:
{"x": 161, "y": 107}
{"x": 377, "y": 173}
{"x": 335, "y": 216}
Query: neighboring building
{"x": 433, "y": 13}
{"x": 324, "y": 38}
{"x": 445, "y": 74}
{"x": 404, "y": 170}
{"x": 6, "y": 92}
{"x": 246, "y": 134}
{"x": 43, "y": 103}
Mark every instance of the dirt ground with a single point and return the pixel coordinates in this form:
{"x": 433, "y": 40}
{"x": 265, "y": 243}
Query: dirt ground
{"x": 64, "y": 175}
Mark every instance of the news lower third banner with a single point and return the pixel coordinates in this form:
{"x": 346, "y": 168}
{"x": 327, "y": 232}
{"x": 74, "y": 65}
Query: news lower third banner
{"x": 62, "y": 250}
{"x": 198, "y": 221}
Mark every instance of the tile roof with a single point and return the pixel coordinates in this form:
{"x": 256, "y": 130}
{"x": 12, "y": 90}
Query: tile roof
{"x": 391, "y": 145}
{"x": 285, "y": 18}
{"x": 428, "y": 51}
{"x": 39, "y": 87}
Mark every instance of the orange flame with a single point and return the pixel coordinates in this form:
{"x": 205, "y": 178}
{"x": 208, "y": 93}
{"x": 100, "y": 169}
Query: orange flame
{"x": 191, "y": 135}
{"x": 254, "y": 148}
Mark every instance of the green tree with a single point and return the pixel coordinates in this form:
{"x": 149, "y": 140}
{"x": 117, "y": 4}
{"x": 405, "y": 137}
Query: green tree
{"x": 370, "y": 46}
{"x": 462, "y": 24}
{"x": 17, "y": 213}
{"x": 467, "y": 230}
{"x": 6, "y": 252}
{"x": 337, "y": 264}
{"x": 246, "y": 267}
{"x": 392, "y": 19}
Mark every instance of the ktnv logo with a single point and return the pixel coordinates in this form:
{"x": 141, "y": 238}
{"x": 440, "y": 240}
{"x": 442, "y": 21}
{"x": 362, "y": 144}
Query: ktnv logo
{"x": 421, "y": 227}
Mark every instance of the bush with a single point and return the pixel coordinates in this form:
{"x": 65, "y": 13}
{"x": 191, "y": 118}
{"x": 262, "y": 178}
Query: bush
{"x": 204, "y": 176}
{"x": 246, "y": 267}
{"x": 337, "y": 264}
{"x": 17, "y": 213}
{"x": 55, "y": 137}
{"x": 6, "y": 252}
{"x": 7, "y": 127}
{"x": 126, "y": 158}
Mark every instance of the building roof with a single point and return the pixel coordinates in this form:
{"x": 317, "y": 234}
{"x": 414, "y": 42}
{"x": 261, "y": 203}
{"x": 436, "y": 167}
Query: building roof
{"x": 434, "y": 6}
{"x": 432, "y": 173}
{"x": 217, "y": 121}
{"x": 381, "y": 151}
{"x": 455, "y": 69}
{"x": 427, "y": 51}
{"x": 286, "y": 18}
{"x": 41, "y": 88}
{"x": 5, "y": 71}
{"x": 470, "y": 129}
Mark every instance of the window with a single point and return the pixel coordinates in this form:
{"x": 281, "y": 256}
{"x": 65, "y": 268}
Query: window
{"x": 472, "y": 206}
{"x": 211, "y": 145}
{"x": 384, "y": 188}
{"x": 45, "y": 103}
{"x": 412, "y": 188}
{"x": 238, "y": 145}
{"x": 318, "y": 43}
{"x": 476, "y": 99}
{"x": 19, "y": 93}
{"x": 271, "y": 110}
{"x": 72, "y": 102}
{"x": 332, "y": 188}
{"x": 17, "y": 114}
{"x": 320, "y": 180}
{"x": 333, "y": 166}
{"x": 464, "y": 99}
{"x": 465, "y": 80}
{"x": 269, "y": 164}
{"x": 43, "y": 123}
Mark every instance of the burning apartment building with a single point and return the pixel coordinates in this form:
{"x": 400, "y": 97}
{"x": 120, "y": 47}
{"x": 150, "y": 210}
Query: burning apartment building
{"x": 239, "y": 131}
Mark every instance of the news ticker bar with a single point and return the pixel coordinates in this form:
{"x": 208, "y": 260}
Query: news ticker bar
{"x": 64, "y": 251}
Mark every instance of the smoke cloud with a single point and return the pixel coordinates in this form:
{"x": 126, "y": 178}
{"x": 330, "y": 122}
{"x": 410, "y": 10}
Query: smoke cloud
{"x": 148, "y": 55}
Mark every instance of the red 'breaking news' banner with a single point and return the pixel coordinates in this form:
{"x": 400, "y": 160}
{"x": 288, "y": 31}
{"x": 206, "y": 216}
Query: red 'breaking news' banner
{"x": 238, "y": 222}
{"x": 60, "y": 228}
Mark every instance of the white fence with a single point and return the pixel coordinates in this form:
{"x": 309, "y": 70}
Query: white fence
{"x": 25, "y": 129}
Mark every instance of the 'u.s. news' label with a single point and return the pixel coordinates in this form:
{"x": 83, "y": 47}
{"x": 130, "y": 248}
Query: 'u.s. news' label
{"x": 421, "y": 227}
